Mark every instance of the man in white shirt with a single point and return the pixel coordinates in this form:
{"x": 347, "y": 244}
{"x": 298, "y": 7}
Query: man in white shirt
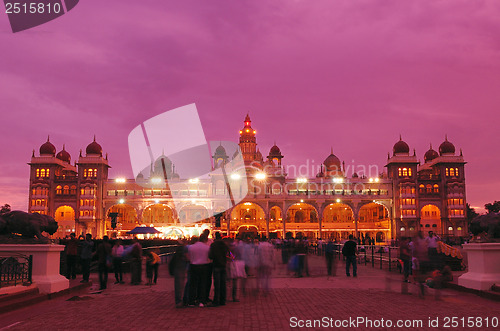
{"x": 432, "y": 243}
{"x": 198, "y": 271}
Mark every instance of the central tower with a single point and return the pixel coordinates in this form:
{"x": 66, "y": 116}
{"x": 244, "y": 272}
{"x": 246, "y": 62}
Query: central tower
{"x": 248, "y": 144}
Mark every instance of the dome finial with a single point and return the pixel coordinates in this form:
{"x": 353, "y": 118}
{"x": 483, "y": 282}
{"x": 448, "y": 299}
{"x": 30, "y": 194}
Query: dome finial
{"x": 331, "y": 149}
{"x": 400, "y": 138}
{"x": 64, "y": 147}
{"x": 48, "y": 138}
{"x": 446, "y": 137}
{"x": 33, "y": 155}
{"x": 430, "y": 145}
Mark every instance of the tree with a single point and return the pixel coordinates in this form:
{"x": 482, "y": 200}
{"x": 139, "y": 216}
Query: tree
{"x": 471, "y": 213}
{"x": 493, "y": 207}
{"x": 5, "y": 209}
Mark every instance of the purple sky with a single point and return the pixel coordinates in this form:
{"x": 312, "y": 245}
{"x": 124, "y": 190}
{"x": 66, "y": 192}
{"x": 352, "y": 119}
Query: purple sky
{"x": 312, "y": 74}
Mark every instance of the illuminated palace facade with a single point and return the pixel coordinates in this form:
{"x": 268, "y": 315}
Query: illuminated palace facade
{"x": 407, "y": 197}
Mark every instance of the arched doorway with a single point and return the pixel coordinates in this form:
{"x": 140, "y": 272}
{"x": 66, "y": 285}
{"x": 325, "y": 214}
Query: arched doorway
{"x": 158, "y": 215}
{"x": 65, "y": 218}
{"x": 275, "y": 222}
{"x": 126, "y": 219}
{"x": 374, "y": 223}
{"x": 338, "y": 221}
{"x": 430, "y": 219}
{"x": 248, "y": 213}
{"x": 193, "y": 214}
{"x": 303, "y": 217}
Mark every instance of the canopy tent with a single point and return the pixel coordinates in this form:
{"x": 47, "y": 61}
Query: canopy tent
{"x": 143, "y": 230}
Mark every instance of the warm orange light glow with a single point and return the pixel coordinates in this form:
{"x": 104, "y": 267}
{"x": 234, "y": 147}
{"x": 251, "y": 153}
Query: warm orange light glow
{"x": 254, "y": 132}
{"x": 248, "y": 130}
{"x": 241, "y": 132}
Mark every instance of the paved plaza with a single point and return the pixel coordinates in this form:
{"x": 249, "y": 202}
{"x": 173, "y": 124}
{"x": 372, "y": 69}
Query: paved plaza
{"x": 374, "y": 295}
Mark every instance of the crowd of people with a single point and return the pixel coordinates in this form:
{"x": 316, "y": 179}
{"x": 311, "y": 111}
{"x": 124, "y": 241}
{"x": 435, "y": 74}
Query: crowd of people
{"x": 245, "y": 264}
{"x": 242, "y": 264}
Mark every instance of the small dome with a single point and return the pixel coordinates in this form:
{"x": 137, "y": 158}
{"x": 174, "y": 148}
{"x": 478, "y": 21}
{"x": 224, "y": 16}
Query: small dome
{"x": 332, "y": 162}
{"x": 94, "y": 148}
{"x": 430, "y": 155}
{"x": 64, "y": 155}
{"x": 48, "y": 148}
{"x": 446, "y": 148}
{"x": 220, "y": 151}
{"x": 275, "y": 150}
{"x": 401, "y": 147}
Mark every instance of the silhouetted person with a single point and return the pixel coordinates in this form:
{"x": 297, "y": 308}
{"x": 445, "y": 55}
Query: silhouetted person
{"x": 86, "y": 257}
{"x": 218, "y": 254}
{"x": 329, "y": 257}
{"x": 136, "y": 262}
{"x": 117, "y": 255}
{"x": 103, "y": 253}
{"x": 198, "y": 272}
{"x": 71, "y": 256}
{"x": 177, "y": 268}
{"x": 349, "y": 251}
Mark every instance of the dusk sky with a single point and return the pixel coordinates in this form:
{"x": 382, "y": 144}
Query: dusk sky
{"x": 312, "y": 74}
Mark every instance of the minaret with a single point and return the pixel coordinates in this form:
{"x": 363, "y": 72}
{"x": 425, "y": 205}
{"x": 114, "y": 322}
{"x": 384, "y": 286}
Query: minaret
{"x": 248, "y": 143}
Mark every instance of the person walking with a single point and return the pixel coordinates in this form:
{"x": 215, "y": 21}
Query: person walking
{"x": 218, "y": 253}
{"x": 349, "y": 251}
{"x": 265, "y": 254}
{"x": 71, "y": 256}
{"x": 117, "y": 256}
{"x": 86, "y": 257}
{"x": 103, "y": 253}
{"x": 432, "y": 244}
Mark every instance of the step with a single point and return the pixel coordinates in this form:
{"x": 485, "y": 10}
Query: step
{"x": 21, "y": 302}
{"x": 13, "y": 296}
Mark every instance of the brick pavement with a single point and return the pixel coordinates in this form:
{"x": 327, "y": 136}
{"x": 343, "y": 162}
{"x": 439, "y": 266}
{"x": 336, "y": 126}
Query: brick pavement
{"x": 374, "y": 294}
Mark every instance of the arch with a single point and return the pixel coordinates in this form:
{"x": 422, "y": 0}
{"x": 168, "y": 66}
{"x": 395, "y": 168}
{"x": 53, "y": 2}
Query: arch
{"x": 302, "y": 212}
{"x": 157, "y": 213}
{"x": 65, "y": 218}
{"x": 337, "y": 212}
{"x": 275, "y": 214}
{"x": 430, "y": 218}
{"x": 193, "y": 213}
{"x": 373, "y": 212}
{"x": 248, "y": 213}
{"x": 127, "y": 216}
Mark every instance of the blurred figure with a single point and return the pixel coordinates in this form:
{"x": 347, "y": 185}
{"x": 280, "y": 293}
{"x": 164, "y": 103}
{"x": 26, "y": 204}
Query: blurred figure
{"x": 177, "y": 268}
{"x": 236, "y": 267}
{"x": 71, "y": 256}
{"x": 103, "y": 253}
{"x": 136, "y": 262}
{"x": 218, "y": 253}
{"x": 349, "y": 251}
{"x": 198, "y": 272}
{"x": 86, "y": 257}
{"x": 117, "y": 255}
{"x": 405, "y": 256}
{"x": 208, "y": 279}
{"x": 265, "y": 254}
{"x": 331, "y": 263}
{"x": 420, "y": 260}
{"x": 301, "y": 252}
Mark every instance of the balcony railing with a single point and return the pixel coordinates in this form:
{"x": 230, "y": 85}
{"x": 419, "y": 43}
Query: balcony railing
{"x": 15, "y": 269}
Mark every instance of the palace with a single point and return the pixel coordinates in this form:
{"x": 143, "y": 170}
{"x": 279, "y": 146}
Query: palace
{"x": 406, "y": 197}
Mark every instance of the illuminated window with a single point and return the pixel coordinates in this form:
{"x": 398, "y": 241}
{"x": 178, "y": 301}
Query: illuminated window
{"x": 73, "y": 189}
{"x": 90, "y": 172}
{"x": 38, "y": 172}
{"x": 421, "y": 188}
{"x": 405, "y": 172}
{"x": 48, "y": 171}
{"x": 95, "y": 172}
{"x": 447, "y": 171}
{"x": 42, "y": 173}
{"x": 456, "y": 172}
{"x": 58, "y": 189}
{"x": 66, "y": 189}
{"x": 436, "y": 188}
{"x": 428, "y": 188}
{"x": 84, "y": 172}
{"x": 400, "y": 172}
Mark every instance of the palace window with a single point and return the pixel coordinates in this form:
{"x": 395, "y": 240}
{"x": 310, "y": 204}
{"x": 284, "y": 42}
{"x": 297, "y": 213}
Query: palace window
{"x": 66, "y": 190}
{"x": 428, "y": 188}
{"x": 436, "y": 188}
{"x": 58, "y": 189}
{"x": 451, "y": 172}
{"x": 72, "y": 189}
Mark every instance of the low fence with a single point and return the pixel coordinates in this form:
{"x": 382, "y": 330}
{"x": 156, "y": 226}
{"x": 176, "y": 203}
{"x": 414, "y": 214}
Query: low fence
{"x": 15, "y": 269}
